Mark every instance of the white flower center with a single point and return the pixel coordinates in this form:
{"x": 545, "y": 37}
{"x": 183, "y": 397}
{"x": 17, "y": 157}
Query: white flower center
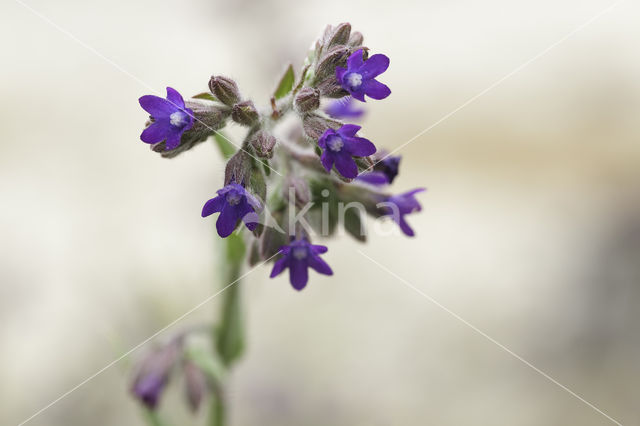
{"x": 299, "y": 253}
{"x": 354, "y": 79}
{"x": 177, "y": 119}
{"x": 335, "y": 143}
{"x": 233, "y": 198}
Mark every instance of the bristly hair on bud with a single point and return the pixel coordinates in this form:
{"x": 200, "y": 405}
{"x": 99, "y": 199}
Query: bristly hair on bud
{"x": 307, "y": 100}
{"x": 263, "y": 143}
{"x": 245, "y": 113}
{"x": 225, "y": 90}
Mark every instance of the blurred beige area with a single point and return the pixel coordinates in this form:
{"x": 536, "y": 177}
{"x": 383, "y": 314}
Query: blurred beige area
{"x": 530, "y": 229}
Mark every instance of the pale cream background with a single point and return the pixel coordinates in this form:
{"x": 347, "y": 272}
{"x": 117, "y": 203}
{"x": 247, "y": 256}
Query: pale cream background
{"x": 531, "y": 226}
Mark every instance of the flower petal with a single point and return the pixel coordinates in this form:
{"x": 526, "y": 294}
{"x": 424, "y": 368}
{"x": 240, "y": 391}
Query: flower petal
{"x": 175, "y": 98}
{"x": 278, "y": 266}
{"x": 251, "y": 220}
{"x": 319, "y": 265}
{"x": 375, "y": 90}
{"x": 173, "y": 139}
{"x": 374, "y": 178}
{"x": 327, "y": 160}
{"x": 156, "y": 106}
{"x": 374, "y": 66}
{"x": 346, "y": 166}
{"x": 405, "y": 227}
{"x": 355, "y": 61}
{"x": 319, "y": 249}
{"x": 226, "y": 221}
{"x": 359, "y": 94}
{"x": 212, "y": 206}
{"x": 156, "y": 132}
{"x": 298, "y": 274}
{"x": 340, "y": 72}
{"x": 348, "y": 130}
{"x": 360, "y": 147}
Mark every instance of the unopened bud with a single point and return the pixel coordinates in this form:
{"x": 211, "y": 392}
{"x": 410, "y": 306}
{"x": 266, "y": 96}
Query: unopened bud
{"x": 339, "y": 35}
{"x": 195, "y": 385}
{"x": 245, "y": 113}
{"x": 238, "y": 169}
{"x": 153, "y": 373}
{"x": 314, "y": 125}
{"x": 334, "y": 57}
{"x": 330, "y": 88}
{"x": 296, "y": 190}
{"x": 307, "y": 100}
{"x": 224, "y": 89}
{"x": 356, "y": 39}
{"x": 263, "y": 143}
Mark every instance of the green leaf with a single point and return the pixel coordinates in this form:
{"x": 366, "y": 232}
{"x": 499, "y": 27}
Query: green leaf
{"x": 286, "y": 83}
{"x": 206, "y": 96}
{"x": 226, "y": 147}
{"x": 353, "y": 224}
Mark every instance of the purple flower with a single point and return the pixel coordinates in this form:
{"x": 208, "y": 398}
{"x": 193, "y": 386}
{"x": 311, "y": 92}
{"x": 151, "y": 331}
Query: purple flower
{"x": 339, "y": 146}
{"x": 170, "y": 118}
{"x": 234, "y": 203}
{"x": 384, "y": 171}
{"x": 359, "y": 76}
{"x": 343, "y": 108}
{"x": 397, "y": 206}
{"x": 153, "y": 374}
{"x": 298, "y": 257}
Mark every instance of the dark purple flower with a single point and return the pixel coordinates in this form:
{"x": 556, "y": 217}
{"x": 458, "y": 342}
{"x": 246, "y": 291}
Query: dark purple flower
{"x": 339, "y": 146}
{"x": 344, "y": 108}
{"x": 384, "y": 171}
{"x": 397, "y": 206}
{"x": 298, "y": 257}
{"x": 170, "y": 118}
{"x": 234, "y": 203}
{"x": 359, "y": 76}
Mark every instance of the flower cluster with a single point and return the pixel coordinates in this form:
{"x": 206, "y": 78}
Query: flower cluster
{"x": 325, "y": 161}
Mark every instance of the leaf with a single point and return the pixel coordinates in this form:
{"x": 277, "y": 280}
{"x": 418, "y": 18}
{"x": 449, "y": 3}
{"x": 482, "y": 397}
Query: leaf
{"x": 206, "y": 96}
{"x": 353, "y": 224}
{"x": 226, "y": 147}
{"x": 286, "y": 83}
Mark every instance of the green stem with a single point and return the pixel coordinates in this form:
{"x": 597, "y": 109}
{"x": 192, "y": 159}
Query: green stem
{"x": 218, "y": 409}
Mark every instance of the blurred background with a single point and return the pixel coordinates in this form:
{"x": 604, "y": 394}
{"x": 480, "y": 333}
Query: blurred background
{"x": 530, "y": 229}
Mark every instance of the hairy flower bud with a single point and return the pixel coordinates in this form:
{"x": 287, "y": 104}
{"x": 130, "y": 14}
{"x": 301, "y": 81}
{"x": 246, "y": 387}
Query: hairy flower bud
{"x": 307, "y": 100}
{"x": 208, "y": 117}
{"x": 338, "y": 35}
{"x": 331, "y": 88}
{"x": 195, "y": 385}
{"x": 263, "y": 143}
{"x": 224, "y": 89}
{"x": 356, "y": 40}
{"x": 296, "y": 190}
{"x": 334, "y": 57}
{"x": 315, "y": 125}
{"x": 238, "y": 169}
{"x": 245, "y": 113}
{"x": 153, "y": 373}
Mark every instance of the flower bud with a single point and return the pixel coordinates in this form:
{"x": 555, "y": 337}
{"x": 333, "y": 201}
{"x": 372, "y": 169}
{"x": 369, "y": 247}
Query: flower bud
{"x": 153, "y": 373}
{"x": 314, "y": 125}
{"x": 238, "y": 169}
{"x": 356, "y": 40}
{"x": 245, "y": 113}
{"x": 195, "y": 385}
{"x": 307, "y": 100}
{"x": 296, "y": 190}
{"x": 208, "y": 117}
{"x": 224, "y": 89}
{"x": 263, "y": 143}
{"x": 338, "y": 35}
{"x": 334, "y": 57}
{"x": 330, "y": 88}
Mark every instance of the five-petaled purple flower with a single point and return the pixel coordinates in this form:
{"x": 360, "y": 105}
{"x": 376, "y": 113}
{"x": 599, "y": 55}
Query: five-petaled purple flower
{"x": 384, "y": 171}
{"x": 339, "y": 148}
{"x": 359, "y": 76}
{"x": 397, "y": 206}
{"x": 234, "y": 203}
{"x": 170, "y": 118}
{"x": 344, "y": 108}
{"x": 298, "y": 257}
